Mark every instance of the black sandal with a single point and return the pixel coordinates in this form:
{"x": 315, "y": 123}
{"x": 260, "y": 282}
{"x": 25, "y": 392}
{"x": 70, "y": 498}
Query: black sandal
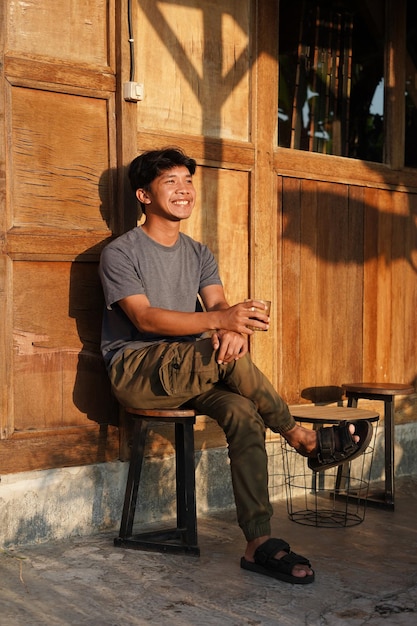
{"x": 336, "y": 444}
{"x": 281, "y": 569}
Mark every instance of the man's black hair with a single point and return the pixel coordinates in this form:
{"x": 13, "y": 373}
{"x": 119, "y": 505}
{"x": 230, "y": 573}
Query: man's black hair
{"x": 147, "y": 166}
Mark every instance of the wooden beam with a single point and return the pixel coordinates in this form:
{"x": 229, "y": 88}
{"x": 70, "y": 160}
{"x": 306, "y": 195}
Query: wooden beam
{"x": 264, "y": 281}
{"x": 395, "y": 76}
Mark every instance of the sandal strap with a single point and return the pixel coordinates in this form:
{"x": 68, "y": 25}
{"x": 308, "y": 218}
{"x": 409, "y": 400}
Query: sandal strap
{"x": 269, "y": 549}
{"x": 328, "y": 450}
{"x": 265, "y": 555}
{"x": 289, "y": 560}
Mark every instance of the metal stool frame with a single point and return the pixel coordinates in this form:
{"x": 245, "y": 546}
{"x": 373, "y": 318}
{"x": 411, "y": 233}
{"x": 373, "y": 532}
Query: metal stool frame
{"x": 183, "y": 538}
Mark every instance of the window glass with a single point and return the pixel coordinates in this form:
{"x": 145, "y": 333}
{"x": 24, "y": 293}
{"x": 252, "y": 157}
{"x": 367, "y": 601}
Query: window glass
{"x": 331, "y": 61}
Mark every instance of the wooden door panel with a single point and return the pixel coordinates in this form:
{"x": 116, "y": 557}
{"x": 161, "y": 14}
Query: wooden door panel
{"x": 41, "y": 292}
{"x": 59, "y": 150}
{"x": 37, "y": 391}
{"x": 194, "y": 61}
{"x": 76, "y": 31}
{"x": 59, "y": 376}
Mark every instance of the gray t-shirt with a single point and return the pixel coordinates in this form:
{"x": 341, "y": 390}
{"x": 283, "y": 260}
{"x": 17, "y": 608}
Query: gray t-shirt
{"x": 170, "y": 277}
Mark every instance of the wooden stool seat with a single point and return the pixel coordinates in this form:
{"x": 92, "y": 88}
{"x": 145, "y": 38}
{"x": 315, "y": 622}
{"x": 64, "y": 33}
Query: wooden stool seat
{"x": 183, "y": 538}
{"x": 383, "y": 392}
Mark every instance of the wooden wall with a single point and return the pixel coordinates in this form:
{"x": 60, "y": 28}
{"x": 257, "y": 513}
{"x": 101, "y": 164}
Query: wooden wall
{"x": 58, "y": 98}
{"x": 349, "y": 261}
{"x": 349, "y": 257}
{"x": 332, "y": 242}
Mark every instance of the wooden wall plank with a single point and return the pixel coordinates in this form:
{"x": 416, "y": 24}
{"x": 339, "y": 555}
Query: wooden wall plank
{"x": 265, "y": 223}
{"x": 290, "y": 291}
{"x": 410, "y": 292}
{"x": 389, "y": 285}
{"x": 208, "y": 150}
{"x": 76, "y": 31}
{"x": 308, "y": 288}
{"x": 6, "y": 408}
{"x": 322, "y": 287}
{"x": 315, "y": 166}
{"x": 371, "y": 303}
{"x": 69, "y": 447}
{"x": 332, "y": 252}
{"x": 384, "y": 295}
{"x": 353, "y": 288}
{"x": 398, "y": 287}
{"x": 31, "y": 72}
{"x": 22, "y": 244}
{"x": 6, "y": 343}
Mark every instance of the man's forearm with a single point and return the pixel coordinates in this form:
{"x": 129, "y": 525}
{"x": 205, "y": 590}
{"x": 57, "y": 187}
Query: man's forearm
{"x": 176, "y": 323}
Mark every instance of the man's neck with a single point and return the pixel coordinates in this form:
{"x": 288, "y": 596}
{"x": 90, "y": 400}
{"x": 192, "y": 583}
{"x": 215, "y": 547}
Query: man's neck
{"x": 163, "y": 231}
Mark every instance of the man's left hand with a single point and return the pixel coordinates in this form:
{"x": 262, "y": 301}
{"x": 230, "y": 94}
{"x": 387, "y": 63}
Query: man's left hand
{"x": 230, "y": 345}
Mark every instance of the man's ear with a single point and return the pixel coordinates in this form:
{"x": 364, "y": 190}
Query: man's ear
{"x": 143, "y": 196}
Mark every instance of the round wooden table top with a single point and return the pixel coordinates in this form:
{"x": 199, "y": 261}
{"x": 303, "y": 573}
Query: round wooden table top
{"x": 330, "y": 414}
{"x": 382, "y": 389}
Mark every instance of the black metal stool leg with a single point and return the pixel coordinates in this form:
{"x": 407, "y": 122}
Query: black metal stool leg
{"x": 183, "y": 538}
{"x": 186, "y": 502}
{"x": 389, "y": 425}
{"x": 133, "y": 478}
{"x": 353, "y": 401}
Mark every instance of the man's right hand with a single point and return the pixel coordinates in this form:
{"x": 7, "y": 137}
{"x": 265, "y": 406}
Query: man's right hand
{"x": 239, "y": 316}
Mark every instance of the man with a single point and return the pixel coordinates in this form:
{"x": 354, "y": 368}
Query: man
{"x": 162, "y": 352}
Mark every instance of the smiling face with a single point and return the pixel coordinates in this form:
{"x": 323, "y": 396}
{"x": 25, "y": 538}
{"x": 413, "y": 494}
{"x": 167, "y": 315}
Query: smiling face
{"x": 171, "y": 195}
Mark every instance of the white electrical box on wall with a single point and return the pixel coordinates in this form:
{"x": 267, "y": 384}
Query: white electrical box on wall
{"x": 133, "y": 92}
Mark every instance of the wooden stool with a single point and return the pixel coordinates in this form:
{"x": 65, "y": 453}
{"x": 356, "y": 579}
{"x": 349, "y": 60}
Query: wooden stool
{"x": 335, "y": 497}
{"x": 384, "y": 392}
{"x": 183, "y": 538}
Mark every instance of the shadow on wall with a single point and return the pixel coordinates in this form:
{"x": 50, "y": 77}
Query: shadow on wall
{"x": 341, "y": 230}
{"x": 328, "y": 394}
{"x": 92, "y": 393}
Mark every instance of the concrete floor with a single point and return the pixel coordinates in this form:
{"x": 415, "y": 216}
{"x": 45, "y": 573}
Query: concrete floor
{"x": 365, "y": 574}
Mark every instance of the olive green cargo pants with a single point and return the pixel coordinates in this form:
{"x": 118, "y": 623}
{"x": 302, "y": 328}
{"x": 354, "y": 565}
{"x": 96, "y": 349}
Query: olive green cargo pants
{"x": 237, "y": 395}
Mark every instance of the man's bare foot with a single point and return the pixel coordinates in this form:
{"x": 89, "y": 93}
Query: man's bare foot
{"x": 299, "y": 570}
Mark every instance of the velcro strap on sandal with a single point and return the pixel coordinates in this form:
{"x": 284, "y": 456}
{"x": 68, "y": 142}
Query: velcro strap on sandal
{"x": 326, "y": 444}
{"x": 347, "y": 443}
{"x": 328, "y": 449}
{"x": 269, "y": 549}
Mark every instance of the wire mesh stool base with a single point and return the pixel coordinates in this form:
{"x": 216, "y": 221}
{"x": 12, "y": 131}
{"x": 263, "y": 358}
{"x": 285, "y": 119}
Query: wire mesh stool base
{"x": 313, "y": 500}
{"x": 333, "y": 498}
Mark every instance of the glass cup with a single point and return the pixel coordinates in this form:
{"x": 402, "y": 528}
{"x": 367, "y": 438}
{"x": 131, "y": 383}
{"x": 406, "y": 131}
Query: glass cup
{"x": 266, "y": 310}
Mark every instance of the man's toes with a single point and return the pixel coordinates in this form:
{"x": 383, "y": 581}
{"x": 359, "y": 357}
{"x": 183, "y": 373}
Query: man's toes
{"x": 356, "y": 439}
{"x": 301, "y": 571}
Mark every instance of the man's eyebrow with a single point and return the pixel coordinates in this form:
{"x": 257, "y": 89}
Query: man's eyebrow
{"x": 174, "y": 175}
